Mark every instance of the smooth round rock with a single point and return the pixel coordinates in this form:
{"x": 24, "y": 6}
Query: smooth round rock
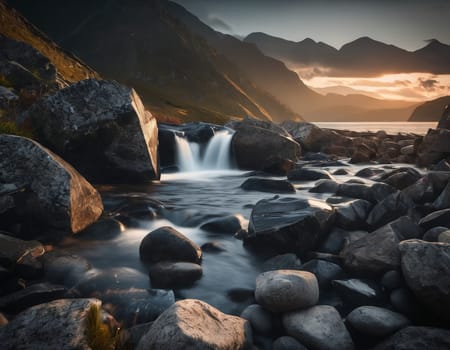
{"x": 259, "y": 318}
{"x": 174, "y": 274}
{"x": 167, "y": 244}
{"x": 286, "y": 290}
{"x": 392, "y": 280}
{"x": 319, "y": 327}
{"x": 376, "y": 321}
{"x": 228, "y": 224}
{"x": 287, "y": 343}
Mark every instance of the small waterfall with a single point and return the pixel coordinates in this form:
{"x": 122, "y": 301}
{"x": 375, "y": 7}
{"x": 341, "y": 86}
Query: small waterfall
{"x": 215, "y": 156}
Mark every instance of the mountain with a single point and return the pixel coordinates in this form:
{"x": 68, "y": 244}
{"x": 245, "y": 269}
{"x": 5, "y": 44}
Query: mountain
{"x": 141, "y": 44}
{"x": 430, "y": 111}
{"x": 361, "y": 57}
{"x": 344, "y": 90}
{"x": 15, "y": 26}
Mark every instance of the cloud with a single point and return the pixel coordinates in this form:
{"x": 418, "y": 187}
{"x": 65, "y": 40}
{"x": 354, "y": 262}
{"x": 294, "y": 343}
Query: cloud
{"x": 381, "y": 83}
{"x": 428, "y": 84}
{"x": 219, "y": 24}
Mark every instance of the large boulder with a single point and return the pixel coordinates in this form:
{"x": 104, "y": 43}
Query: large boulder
{"x": 288, "y": 225}
{"x": 14, "y": 250}
{"x": 444, "y": 122}
{"x": 286, "y": 290}
{"x": 417, "y": 338}
{"x": 426, "y": 269}
{"x": 61, "y": 324}
{"x": 193, "y": 324}
{"x": 392, "y": 207}
{"x": 57, "y": 195}
{"x": 319, "y": 328}
{"x": 258, "y": 149}
{"x": 434, "y": 147}
{"x": 167, "y": 244}
{"x": 102, "y": 128}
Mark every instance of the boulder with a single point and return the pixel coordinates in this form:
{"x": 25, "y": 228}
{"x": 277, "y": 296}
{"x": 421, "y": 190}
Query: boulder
{"x": 134, "y": 306}
{"x": 417, "y": 338}
{"x": 338, "y": 238}
{"x": 306, "y": 174}
{"x": 287, "y": 261}
{"x": 444, "y": 122}
{"x": 372, "y": 193}
{"x": 32, "y": 295}
{"x": 167, "y": 244}
{"x": 434, "y": 147}
{"x": 400, "y": 178}
{"x": 352, "y": 215}
{"x": 168, "y": 274}
{"x": 325, "y": 186}
{"x": 65, "y": 268}
{"x": 57, "y": 195}
{"x": 392, "y": 207}
{"x": 193, "y": 324}
{"x": 268, "y": 185}
{"x": 376, "y": 321}
{"x": 61, "y": 324}
{"x": 287, "y": 343}
{"x": 432, "y": 235}
{"x": 391, "y": 280}
{"x": 259, "y": 318}
{"x": 91, "y": 123}
{"x": 358, "y": 292}
{"x": 256, "y": 148}
{"x": 443, "y": 201}
{"x": 325, "y": 271}
{"x": 228, "y": 224}
{"x": 437, "y": 218}
{"x": 288, "y": 225}
{"x": 14, "y": 250}
{"x": 426, "y": 269}
{"x": 286, "y": 290}
{"x": 319, "y": 328}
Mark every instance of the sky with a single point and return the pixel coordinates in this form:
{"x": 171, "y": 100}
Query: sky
{"x": 403, "y": 23}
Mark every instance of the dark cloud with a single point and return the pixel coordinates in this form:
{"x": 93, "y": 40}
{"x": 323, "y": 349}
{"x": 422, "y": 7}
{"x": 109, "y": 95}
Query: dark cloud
{"x": 219, "y": 24}
{"x": 428, "y": 84}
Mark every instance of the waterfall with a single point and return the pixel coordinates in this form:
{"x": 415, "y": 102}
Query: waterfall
{"x": 215, "y": 156}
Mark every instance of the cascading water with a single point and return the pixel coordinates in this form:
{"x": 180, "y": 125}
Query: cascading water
{"x": 216, "y": 155}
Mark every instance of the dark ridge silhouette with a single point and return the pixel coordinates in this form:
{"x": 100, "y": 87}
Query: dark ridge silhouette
{"x": 430, "y": 111}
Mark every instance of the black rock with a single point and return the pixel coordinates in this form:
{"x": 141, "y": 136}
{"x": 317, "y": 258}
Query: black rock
{"x": 287, "y": 343}
{"x": 167, "y": 244}
{"x": 342, "y": 172}
{"x": 392, "y": 280}
{"x": 324, "y": 271}
{"x": 288, "y": 225}
{"x": 352, "y": 215}
{"x": 212, "y": 247}
{"x": 228, "y": 224}
{"x": 306, "y": 174}
{"x": 104, "y": 229}
{"x": 443, "y": 201}
{"x": 169, "y": 275}
{"x": 287, "y": 261}
{"x": 369, "y": 172}
{"x": 404, "y": 301}
{"x": 400, "y": 178}
{"x": 372, "y": 193}
{"x": 65, "y": 268}
{"x": 268, "y": 185}
{"x": 337, "y": 238}
{"x": 325, "y": 186}
{"x": 432, "y": 235}
{"x": 389, "y": 209}
{"x": 357, "y": 292}
{"x": 437, "y": 218}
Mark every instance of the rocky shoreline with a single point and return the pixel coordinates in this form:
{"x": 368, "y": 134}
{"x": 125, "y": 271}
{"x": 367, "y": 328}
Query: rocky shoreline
{"x": 367, "y": 268}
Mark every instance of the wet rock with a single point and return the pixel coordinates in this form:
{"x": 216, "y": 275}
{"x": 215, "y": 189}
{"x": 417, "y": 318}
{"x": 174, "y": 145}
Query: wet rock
{"x": 342, "y": 172}
{"x": 392, "y": 280}
{"x": 98, "y": 281}
{"x": 198, "y": 132}
{"x": 167, "y": 152}
{"x": 400, "y": 178}
{"x": 13, "y": 251}
{"x": 135, "y": 333}
{"x": 257, "y": 148}
{"x": 357, "y": 292}
{"x": 408, "y": 150}
{"x": 285, "y": 225}
{"x": 194, "y": 324}
{"x": 103, "y": 229}
{"x": 174, "y": 274}
{"x": 60, "y": 324}
{"x": 403, "y": 300}
{"x": 228, "y": 224}
{"x": 30, "y": 296}
{"x": 306, "y": 174}
{"x": 352, "y": 215}
{"x": 434, "y": 147}
{"x": 390, "y": 208}
{"x": 287, "y": 343}
{"x": 437, "y": 218}
{"x": 286, "y": 290}
{"x": 212, "y": 247}
{"x": 372, "y": 193}
{"x": 432, "y": 235}
{"x": 134, "y": 306}
{"x": 58, "y": 196}
{"x": 167, "y": 244}
{"x": 369, "y": 172}
{"x": 319, "y": 327}
{"x": 376, "y": 321}
{"x": 268, "y": 185}
{"x": 64, "y": 268}
{"x": 287, "y": 261}
{"x": 91, "y": 123}
{"x": 325, "y": 186}
{"x": 442, "y": 165}
{"x": 417, "y": 338}
{"x": 444, "y": 237}
{"x": 426, "y": 269}
{"x": 338, "y": 238}
{"x": 443, "y": 201}
{"x": 325, "y": 271}
{"x": 259, "y": 318}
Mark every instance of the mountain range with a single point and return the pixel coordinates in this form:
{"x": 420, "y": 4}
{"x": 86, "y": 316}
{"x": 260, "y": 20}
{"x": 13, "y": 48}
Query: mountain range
{"x": 361, "y": 57}
{"x": 184, "y": 70}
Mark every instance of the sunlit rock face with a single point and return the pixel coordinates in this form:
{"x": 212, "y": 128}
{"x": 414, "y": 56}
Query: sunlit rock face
{"x": 56, "y": 194}
{"x": 102, "y": 128}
